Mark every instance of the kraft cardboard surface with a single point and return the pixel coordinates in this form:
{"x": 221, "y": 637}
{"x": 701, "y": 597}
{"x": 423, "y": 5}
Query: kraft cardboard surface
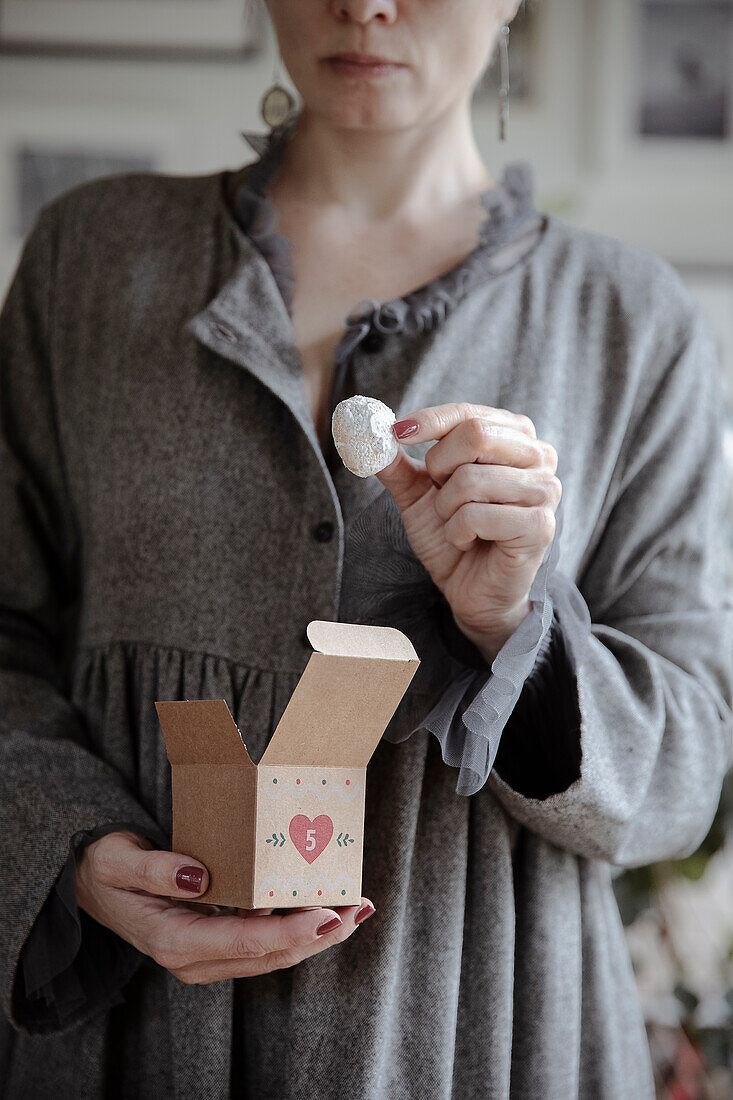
{"x": 201, "y": 731}
{"x": 310, "y": 832}
{"x": 288, "y": 832}
{"x": 358, "y": 640}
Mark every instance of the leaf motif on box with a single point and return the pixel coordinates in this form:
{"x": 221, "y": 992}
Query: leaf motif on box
{"x": 277, "y": 840}
{"x": 311, "y": 837}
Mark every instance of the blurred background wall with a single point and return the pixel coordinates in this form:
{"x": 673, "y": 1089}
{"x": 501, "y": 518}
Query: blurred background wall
{"x": 625, "y": 110}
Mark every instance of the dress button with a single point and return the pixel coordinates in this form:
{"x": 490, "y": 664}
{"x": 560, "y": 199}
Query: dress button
{"x": 323, "y": 532}
{"x": 373, "y": 341}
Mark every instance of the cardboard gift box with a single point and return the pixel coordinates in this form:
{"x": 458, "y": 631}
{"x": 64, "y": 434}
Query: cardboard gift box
{"x": 289, "y": 830}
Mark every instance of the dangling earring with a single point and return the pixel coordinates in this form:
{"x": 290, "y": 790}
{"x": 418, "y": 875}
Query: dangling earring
{"x": 277, "y": 104}
{"x": 504, "y": 88}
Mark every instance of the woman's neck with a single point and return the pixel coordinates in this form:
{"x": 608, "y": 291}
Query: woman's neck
{"x": 386, "y": 176}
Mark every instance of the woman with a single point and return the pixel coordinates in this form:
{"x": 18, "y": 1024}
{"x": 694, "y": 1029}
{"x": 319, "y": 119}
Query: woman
{"x": 177, "y": 516}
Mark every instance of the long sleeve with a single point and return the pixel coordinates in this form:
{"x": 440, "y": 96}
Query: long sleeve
{"x": 52, "y": 784}
{"x": 56, "y": 977}
{"x": 534, "y": 742}
{"x": 539, "y": 749}
{"x": 650, "y": 627}
{"x": 604, "y": 723}
{"x": 532, "y": 672}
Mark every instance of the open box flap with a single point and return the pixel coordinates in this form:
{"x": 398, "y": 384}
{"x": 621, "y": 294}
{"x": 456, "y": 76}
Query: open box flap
{"x": 201, "y": 731}
{"x": 358, "y": 640}
{"x": 344, "y": 701}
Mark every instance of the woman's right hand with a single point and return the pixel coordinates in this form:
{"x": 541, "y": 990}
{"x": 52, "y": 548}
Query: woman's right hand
{"x": 129, "y": 886}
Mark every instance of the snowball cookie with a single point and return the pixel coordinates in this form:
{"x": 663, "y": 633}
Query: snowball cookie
{"x": 362, "y": 432}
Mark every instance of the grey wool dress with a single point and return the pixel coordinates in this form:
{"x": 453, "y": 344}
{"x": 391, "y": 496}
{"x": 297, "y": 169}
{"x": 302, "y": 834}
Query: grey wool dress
{"x": 170, "y": 526}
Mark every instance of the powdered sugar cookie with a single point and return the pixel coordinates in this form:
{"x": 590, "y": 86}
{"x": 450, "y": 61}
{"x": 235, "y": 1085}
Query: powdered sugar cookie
{"x": 362, "y": 431}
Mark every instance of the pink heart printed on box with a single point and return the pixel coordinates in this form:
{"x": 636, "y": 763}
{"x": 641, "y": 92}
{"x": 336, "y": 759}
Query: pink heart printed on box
{"x": 310, "y": 837}
{"x": 309, "y": 828}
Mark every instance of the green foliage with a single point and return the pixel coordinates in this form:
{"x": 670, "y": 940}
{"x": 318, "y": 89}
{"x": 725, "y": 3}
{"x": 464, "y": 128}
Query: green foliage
{"x": 636, "y": 889}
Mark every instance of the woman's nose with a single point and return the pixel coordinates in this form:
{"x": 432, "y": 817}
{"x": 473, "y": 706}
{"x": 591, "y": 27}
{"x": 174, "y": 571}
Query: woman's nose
{"x": 363, "y": 11}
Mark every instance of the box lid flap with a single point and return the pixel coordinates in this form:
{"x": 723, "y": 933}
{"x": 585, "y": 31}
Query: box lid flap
{"x": 201, "y": 731}
{"x": 358, "y": 640}
{"x": 345, "y": 698}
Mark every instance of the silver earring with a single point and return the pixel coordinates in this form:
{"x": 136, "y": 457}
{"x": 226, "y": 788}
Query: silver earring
{"x": 277, "y": 104}
{"x": 504, "y": 88}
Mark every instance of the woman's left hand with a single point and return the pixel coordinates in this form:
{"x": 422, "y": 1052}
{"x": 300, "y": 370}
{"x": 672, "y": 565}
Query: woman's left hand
{"x": 479, "y": 512}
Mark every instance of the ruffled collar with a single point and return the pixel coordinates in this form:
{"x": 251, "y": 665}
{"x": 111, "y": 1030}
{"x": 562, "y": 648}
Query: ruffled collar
{"x": 510, "y": 214}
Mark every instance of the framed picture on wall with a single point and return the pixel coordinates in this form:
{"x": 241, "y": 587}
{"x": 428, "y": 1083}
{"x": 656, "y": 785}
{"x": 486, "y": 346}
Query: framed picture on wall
{"x": 686, "y": 70}
{"x": 658, "y": 121}
{"x": 191, "y": 28}
{"x": 45, "y": 151}
{"x": 660, "y": 78}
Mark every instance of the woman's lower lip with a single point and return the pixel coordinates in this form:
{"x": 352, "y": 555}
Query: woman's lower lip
{"x": 356, "y": 68}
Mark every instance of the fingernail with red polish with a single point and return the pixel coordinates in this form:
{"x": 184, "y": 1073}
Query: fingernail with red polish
{"x": 329, "y": 926}
{"x": 190, "y": 878}
{"x": 364, "y": 912}
{"x": 403, "y": 428}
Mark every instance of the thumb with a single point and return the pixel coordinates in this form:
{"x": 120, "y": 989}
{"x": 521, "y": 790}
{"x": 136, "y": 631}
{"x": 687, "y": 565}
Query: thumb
{"x": 406, "y": 478}
{"x": 130, "y": 865}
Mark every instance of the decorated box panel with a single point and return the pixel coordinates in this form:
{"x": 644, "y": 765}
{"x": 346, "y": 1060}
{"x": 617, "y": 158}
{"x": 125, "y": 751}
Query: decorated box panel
{"x": 309, "y": 836}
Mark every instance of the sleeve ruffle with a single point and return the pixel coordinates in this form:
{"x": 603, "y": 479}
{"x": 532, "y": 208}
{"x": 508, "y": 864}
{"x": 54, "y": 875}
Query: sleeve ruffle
{"x": 469, "y": 717}
{"x": 56, "y": 978}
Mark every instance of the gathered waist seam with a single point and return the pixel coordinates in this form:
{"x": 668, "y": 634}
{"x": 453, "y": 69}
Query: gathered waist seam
{"x": 100, "y": 647}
